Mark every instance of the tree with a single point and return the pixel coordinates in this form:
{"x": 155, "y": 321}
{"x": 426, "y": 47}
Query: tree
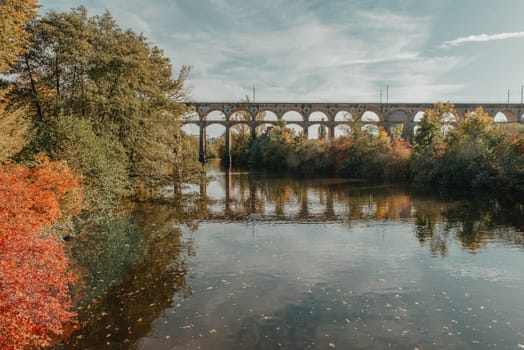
{"x": 14, "y": 128}
{"x": 13, "y": 36}
{"x": 240, "y": 138}
{"x": 428, "y": 142}
{"x": 13, "y": 42}
{"x": 34, "y": 271}
{"x": 100, "y": 159}
{"x": 89, "y": 68}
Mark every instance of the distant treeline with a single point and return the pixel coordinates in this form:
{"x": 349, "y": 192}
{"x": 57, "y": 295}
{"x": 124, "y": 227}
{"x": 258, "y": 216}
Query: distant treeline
{"x": 467, "y": 152}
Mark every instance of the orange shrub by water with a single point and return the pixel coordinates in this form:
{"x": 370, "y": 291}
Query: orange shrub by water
{"x": 34, "y": 269}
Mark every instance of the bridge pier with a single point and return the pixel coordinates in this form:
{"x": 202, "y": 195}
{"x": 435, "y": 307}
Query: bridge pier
{"x": 409, "y": 131}
{"x": 227, "y": 157}
{"x": 331, "y": 132}
{"x": 202, "y": 145}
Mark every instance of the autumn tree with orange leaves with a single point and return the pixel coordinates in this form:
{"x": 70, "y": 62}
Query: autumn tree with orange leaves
{"x": 34, "y": 271}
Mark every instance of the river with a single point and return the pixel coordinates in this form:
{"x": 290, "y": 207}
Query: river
{"x": 258, "y": 261}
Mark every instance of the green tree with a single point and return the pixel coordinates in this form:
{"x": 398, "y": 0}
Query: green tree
{"x": 428, "y": 142}
{"x": 478, "y": 154}
{"x": 89, "y": 68}
{"x": 272, "y": 148}
{"x": 100, "y": 158}
{"x": 365, "y": 153}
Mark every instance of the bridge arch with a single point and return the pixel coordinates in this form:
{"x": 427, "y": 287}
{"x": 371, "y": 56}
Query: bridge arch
{"x": 471, "y": 114}
{"x": 191, "y": 129}
{"x": 233, "y": 124}
{"x": 419, "y": 116}
{"x": 344, "y": 116}
{"x": 267, "y": 115}
{"x": 500, "y": 118}
{"x": 318, "y": 131}
{"x": 214, "y": 129}
{"x": 297, "y": 129}
{"x": 263, "y": 128}
{"x": 342, "y": 130}
{"x": 449, "y": 118}
{"x": 240, "y": 114}
{"x": 318, "y": 116}
{"x": 215, "y": 114}
{"x": 292, "y": 116}
{"x": 315, "y": 110}
{"x": 240, "y": 128}
{"x": 504, "y": 116}
{"x": 398, "y": 124}
{"x": 398, "y": 115}
{"x": 371, "y": 129}
{"x": 371, "y": 115}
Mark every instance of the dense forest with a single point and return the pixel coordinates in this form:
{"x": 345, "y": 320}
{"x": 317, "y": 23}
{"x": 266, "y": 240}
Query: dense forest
{"x": 92, "y": 113}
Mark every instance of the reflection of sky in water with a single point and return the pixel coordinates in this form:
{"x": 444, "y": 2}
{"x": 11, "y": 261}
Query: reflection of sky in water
{"x": 364, "y": 285}
{"x": 322, "y": 264}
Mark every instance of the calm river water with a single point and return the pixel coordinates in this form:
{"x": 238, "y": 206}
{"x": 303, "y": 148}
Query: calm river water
{"x": 250, "y": 261}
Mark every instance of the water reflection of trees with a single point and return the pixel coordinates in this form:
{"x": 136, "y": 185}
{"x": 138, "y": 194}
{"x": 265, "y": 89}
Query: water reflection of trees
{"x": 142, "y": 267}
{"x": 134, "y": 266}
{"x": 437, "y": 218}
{"x": 472, "y": 222}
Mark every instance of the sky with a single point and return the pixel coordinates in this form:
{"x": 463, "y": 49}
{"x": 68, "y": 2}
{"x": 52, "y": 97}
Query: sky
{"x": 336, "y": 50}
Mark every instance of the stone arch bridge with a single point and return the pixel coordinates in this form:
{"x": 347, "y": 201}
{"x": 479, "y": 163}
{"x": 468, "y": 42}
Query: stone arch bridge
{"x": 389, "y": 115}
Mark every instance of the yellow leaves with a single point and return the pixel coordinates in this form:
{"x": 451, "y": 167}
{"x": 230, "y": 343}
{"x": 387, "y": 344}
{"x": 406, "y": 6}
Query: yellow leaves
{"x": 14, "y": 127}
{"x": 13, "y": 36}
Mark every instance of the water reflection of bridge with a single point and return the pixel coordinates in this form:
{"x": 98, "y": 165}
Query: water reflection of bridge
{"x": 246, "y": 197}
{"x": 252, "y": 198}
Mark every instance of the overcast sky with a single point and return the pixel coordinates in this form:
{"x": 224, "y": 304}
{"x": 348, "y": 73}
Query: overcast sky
{"x": 336, "y": 50}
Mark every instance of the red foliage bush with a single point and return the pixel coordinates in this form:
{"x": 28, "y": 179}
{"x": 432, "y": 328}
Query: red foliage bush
{"x": 34, "y": 273}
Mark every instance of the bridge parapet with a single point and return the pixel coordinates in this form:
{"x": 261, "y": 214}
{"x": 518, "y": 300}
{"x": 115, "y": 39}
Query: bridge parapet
{"x": 387, "y": 112}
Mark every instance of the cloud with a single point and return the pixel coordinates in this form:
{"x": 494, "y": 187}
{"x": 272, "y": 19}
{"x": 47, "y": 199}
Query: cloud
{"x": 309, "y": 57}
{"x": 481, "y": 38}
{"x": 304, "y": 50}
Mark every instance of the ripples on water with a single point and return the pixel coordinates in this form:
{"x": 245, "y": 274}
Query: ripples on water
{"x": 257, "y": 262}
